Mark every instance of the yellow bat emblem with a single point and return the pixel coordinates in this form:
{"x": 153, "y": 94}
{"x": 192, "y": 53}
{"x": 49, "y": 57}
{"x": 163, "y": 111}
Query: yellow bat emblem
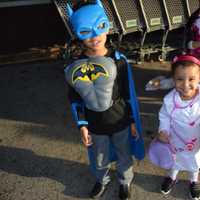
{"x": 88, "y": 72}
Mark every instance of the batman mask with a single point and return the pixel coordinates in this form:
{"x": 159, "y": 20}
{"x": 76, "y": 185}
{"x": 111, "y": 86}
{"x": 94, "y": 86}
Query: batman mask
{"x": 88, "y": 21}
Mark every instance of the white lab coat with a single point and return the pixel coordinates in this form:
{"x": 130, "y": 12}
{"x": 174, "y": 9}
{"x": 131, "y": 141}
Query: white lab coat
{"x": 186, "y": 123}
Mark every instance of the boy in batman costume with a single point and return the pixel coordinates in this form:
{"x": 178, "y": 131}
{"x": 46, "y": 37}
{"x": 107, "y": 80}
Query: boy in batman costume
{"x": 101, "y": 87}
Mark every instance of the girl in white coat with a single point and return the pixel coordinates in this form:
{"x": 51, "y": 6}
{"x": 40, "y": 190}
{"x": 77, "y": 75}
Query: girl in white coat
{"x": 179, "y": 125}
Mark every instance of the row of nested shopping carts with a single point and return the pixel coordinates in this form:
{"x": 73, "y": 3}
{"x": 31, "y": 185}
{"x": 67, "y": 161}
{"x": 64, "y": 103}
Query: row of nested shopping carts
{"x": 143, "y": 19}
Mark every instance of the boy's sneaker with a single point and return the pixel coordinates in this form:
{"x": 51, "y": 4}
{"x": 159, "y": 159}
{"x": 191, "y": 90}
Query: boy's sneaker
{"x": 167, "y": 185}
{"x": 124, "y": 192}
{"x": 195, "y": 190}
{"x": 98, "y": 190}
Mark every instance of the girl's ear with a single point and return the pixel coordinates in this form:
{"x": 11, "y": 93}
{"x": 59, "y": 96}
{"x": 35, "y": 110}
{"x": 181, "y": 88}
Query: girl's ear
{"x": 69, "y": 10}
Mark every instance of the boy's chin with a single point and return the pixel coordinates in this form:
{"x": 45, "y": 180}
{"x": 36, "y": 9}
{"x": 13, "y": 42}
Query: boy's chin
{"x": 96, "y": 48}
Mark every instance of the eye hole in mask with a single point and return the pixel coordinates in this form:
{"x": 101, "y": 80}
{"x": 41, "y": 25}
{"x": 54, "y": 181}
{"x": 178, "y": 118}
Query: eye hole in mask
{"x": 85, "y": 32}
{"x": 102, "y": 25}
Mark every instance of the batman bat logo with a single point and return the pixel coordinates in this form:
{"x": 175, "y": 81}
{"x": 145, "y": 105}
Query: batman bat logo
{"x": 88, "y": 72}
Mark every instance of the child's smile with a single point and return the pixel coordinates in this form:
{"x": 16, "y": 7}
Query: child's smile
{"x": 95, "y": 43}
{"x": 186, "y": 81}
{"x": 96, "y": 46}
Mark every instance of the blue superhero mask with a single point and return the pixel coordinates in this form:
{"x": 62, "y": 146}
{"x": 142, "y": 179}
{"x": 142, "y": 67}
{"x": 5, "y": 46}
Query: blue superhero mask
{"x": 89, "y": 21}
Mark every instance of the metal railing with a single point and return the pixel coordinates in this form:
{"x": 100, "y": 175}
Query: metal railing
{"x": 192, "y": 5}
{"x": 131, "y": 16}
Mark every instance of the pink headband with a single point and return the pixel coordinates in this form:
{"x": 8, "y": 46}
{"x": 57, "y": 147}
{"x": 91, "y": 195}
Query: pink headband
{"x": 188, "y": 58}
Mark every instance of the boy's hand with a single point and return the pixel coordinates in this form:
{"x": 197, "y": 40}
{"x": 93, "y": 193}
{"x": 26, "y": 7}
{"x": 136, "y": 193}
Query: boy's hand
{"x": 163, "y": 137}
{"x": 86, "y": 137}
{"x": 134, "y": 132}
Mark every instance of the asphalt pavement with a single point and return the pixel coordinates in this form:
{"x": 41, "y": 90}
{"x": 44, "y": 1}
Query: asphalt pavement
{"x": 41, "y": 156}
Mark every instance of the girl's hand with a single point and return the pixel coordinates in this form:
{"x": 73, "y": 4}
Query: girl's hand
{"x": 85, "y": 136}
{"x": 193, "y": 44}
{"x": 163, "y": 137}
{"x": 134, "y": 132}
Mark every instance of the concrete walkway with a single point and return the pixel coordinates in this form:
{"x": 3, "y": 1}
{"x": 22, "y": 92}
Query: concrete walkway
{"x": 41, "y": 157}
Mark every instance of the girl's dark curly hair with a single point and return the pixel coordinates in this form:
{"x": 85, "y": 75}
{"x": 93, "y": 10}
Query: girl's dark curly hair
{"x": 184, "y": 64}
